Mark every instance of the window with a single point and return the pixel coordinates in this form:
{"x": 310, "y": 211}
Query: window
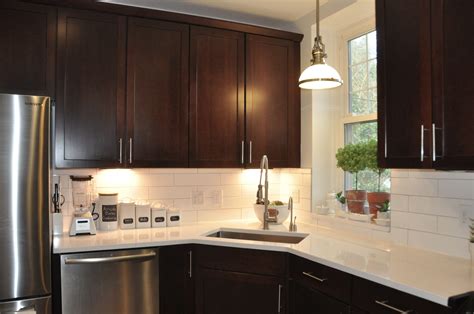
{"x": 361, "y": 123}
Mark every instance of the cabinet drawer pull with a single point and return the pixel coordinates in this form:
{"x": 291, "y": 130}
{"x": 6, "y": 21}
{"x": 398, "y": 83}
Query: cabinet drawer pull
{"x": 130, "y": 151}
{"x": 190, "y": 272}
{"x": 120, "y": 149}
{"x": 279, "y": 298}
{"x": 250, "y": 152}
{"x": 434, "y": 142}
{"x": 242, "y": 148}
{"x": 310, "y": 275}
{"x": 386, "y": 305}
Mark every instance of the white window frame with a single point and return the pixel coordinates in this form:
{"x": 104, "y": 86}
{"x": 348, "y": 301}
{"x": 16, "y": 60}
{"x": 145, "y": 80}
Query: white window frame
{"x": 357, "y": 30}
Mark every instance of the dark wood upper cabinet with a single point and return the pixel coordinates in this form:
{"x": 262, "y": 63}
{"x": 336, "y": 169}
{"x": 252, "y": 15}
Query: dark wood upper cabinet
{"x": 217, "y": 85}
{"x": 404, "y": 83}
{"x": 425, "y": 81}
{"x": 272, "y": 101}
{"x": 90, "y": 106}
{"x": 453, "y": 83}
{"x": 27, "y": 48}
{"x": 157, "y": 94}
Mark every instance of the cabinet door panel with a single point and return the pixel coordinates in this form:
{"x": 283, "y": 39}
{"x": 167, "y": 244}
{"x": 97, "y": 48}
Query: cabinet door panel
{"x": 404, "y": 83}
{"x": 453, "y": 83}
{"x": 91, "y": 82}
{"x": 27, "y": 48}
{"x": 308, "y": 301}
{"x": 157, "y": 93}
{"x": 176, "y": 280}
{"x": 217, "y": 98}
{"x": 272, "y": 102}
{"x": 236, "y": 293}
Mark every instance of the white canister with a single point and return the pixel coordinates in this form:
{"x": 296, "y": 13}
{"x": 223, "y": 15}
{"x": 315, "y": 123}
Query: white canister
{"x": 143, "y": 215}
{"x": 127, "y": 215}
{"x": 158, "y": 217}
{"x": 173, "y": 217}
{"x": 108, "y": 205}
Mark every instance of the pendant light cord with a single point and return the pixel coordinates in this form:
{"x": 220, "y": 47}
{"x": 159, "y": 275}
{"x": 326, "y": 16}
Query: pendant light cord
{"x": 317, "y": 18}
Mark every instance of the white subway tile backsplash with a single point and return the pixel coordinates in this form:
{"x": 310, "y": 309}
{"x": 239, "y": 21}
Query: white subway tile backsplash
{"x": 453, "y": 227}
{"x": 174, "y": 187}
{"x": 399, "y": 202}
{"x": 410, "y": 186}
{"x": 197, "y": 179}
{"x": 440, "y": 243}
{"x": 152, "y": 180}
{"x": 439, "y": 206}
{"x": 456, "y": 189}
{"x": 217, "y": 215}
{"x": 170, "y": 192}
{"x": 431, "y": 209}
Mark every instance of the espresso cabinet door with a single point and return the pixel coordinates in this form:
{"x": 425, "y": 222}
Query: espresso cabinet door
{"x": 272, "y": 102}
{"x": 235, "y": 293}
{"x": 176, "y": 279}
{"x": 453, "y": 83}
{"x": 90, "y": 89}
{"x": 157, "y": 94}
{"x": 27, "y": 48}
{"x": 217, "y": 98}
{"x": 305, "y": 300}
{"x": 404, "y": 83}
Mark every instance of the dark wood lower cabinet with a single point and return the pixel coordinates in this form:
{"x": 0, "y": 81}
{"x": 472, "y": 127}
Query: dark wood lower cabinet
{"x": 305, "y": 300}
{"x": 176, "y": 280}
{"x": 230, "y": 292}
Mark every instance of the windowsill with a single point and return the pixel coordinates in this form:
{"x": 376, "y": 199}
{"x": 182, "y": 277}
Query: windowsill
{"x": 335, "y": 222}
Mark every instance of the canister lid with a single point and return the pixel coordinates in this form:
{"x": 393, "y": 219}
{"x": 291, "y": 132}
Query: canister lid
{"x": 108, "y": 194}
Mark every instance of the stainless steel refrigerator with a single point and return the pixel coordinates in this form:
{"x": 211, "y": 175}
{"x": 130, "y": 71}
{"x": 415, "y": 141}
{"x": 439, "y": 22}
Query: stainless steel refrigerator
{"x": 25, "y": 238}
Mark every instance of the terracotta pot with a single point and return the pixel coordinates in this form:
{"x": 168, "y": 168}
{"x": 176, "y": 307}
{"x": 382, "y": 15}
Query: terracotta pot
{"x": 356, "y": 200}
{"x": 376, "y": 200}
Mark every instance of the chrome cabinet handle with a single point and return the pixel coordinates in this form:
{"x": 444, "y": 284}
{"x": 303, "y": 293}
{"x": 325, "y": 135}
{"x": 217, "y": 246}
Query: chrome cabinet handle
{"x": 250, "y": 152}
{"x": 190, "y": 272}
{"x": 422, "y": 150}
{"x": 242, "y": 148}
{"x": 112, "y": 259}
{"x": 120, "y": 151}
{"x": 386, "y": 305}
{"x": 279, "y": 297}
{"x": 422, "y": 143}
{"x": 434, "y": 142}
{"x": 130, "y": 159}
{"x": 310, "y": 275}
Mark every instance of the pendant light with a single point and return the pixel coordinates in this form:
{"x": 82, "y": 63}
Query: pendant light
{"x": 319, "y": 75}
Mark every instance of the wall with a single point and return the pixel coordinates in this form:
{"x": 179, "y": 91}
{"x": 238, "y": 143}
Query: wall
{"x": 174, "y": 187}
{"x": 431, "y": 209}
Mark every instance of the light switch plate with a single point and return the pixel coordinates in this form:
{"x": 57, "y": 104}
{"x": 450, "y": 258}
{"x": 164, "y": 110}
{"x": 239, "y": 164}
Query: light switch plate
{"x": 198, "y": 198}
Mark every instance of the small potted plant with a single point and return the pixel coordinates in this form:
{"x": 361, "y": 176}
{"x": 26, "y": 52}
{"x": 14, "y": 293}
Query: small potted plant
{"x": 353, "y": 158}
{"x": 382, "y": 210}
{"x": 378, "y": 198}
{"x": 341, "y": 209}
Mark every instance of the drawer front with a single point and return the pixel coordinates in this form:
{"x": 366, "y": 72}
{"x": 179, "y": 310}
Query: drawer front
{"x": 242, "y": 260}
{"x": 375, "y": 298}
{"x": 333, "y": 282}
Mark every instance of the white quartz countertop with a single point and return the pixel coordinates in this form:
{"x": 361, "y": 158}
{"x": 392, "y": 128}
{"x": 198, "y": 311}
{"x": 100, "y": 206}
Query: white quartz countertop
{"x": 425, "y": 274}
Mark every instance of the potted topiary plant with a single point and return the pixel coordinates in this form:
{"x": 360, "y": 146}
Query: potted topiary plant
{"x": 353, "y": 158}
{"x": 377, "y": 199}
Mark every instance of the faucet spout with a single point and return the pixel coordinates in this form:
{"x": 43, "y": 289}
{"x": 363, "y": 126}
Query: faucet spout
{"x": 264, "y": 199}
{"x": 292, "y": 221}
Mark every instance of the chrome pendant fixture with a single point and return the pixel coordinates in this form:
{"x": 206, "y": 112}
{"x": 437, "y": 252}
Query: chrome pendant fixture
{"x": 319, "y": 75}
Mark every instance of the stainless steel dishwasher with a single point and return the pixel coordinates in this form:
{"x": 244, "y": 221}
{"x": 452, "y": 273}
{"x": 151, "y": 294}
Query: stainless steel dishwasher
{"x": 125, "y": 281}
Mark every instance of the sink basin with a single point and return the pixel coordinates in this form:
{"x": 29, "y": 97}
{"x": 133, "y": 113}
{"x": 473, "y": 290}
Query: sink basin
{"x": 265, "y": 236}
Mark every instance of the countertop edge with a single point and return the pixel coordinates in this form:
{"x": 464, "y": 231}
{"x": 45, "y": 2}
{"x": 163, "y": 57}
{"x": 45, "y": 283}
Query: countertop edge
{"x": 278, "y": 247}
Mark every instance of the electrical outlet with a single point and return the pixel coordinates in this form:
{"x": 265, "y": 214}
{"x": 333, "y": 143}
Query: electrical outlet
{"x": 216, "y": 197}
{"x": 197, "y": 198}
{"x": 295, "y": 194}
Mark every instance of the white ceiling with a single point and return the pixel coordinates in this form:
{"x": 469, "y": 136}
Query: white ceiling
{"x": 259, "y": 11}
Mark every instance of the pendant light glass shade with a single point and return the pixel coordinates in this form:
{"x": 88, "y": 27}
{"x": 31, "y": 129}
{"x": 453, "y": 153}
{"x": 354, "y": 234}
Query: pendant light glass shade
{"x": 319, "y": 75}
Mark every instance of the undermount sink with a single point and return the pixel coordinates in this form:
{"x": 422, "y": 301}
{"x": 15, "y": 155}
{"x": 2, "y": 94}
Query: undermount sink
{"x": 265, "y": 236}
